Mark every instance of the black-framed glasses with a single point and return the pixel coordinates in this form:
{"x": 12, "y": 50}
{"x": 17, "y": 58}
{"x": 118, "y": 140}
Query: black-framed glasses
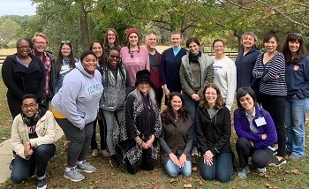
{"x": 26, "y": 106}
{"x": 65, "y": 42}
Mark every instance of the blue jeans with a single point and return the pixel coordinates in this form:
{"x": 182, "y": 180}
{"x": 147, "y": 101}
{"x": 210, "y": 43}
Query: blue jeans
{"x": 111, "y": 126}
{"x": 222, "y": 168}
{"x": 191, "y": 106}
{"x": 25, "y": 168}
{"x": 295, "y": 116}
{"x": 173, "y": 170}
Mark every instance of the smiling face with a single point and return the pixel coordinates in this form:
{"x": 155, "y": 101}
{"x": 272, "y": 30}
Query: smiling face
{"x": 143, "y": 86}
{"x": 111, "y": 37}
{"x": 194, "y": 48}
{"x": 176, "y": 39}
{"x": 89, "y": 63}
{"x": 29, "y": 107}
{"x": 294, "y": 46}
{"x": 271, "y": 45}
{"x": 247, "y": 103}
{"x": 23, "y": 49}
{"x": 65, "y": 50}
{"x": 151, "y": 41}
{"x": 133, "y": 39}
{"x": 176, "y": 104}
{"x": 218, "y": 48}
{"x": 97, "y": 49}
{"x": 113, "y": 58}
{"x": 211, "y": 96}
{"x": 39, "y": 44}
{"x": 248, "y": 41}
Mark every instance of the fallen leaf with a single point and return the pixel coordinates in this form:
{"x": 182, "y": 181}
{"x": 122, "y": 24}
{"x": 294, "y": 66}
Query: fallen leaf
{"x": 173, "y": 181}
{"x": 296, "y": 172}
{"x": 267, "y": 185}
{"x": 187, "y": 186}
{"x": 194, "y": 169}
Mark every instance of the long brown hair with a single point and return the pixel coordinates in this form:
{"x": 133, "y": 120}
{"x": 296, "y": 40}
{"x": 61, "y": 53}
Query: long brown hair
{"x": 105, "y": 43}
{"x": 59, "y": 60}
{"x": 219, "y": 101}
{"x": 301, "y": 53}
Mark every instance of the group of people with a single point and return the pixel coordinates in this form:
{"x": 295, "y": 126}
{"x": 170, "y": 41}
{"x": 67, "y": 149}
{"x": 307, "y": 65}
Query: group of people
{"x": 122, "y": 89}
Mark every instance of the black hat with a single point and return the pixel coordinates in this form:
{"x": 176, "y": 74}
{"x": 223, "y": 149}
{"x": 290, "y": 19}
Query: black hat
{"x": 143, "y": 75}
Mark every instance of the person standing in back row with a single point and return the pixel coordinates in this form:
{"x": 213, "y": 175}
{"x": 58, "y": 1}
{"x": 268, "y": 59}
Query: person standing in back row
{"x": 170, "y": 65}
{"x": 39, "y": 49}
{"x": 155, "y": 60}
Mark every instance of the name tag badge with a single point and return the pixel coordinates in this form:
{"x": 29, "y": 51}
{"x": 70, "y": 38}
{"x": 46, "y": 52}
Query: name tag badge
{"x": 260, "y": 121}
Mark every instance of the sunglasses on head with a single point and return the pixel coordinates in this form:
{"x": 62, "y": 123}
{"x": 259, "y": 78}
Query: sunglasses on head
{"x": 65, "y": 42}
{"x": 296, "y": 34}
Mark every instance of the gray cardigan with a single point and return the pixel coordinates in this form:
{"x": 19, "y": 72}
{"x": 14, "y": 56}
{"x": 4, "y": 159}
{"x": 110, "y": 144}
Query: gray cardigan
{"x": 186, "y": 75}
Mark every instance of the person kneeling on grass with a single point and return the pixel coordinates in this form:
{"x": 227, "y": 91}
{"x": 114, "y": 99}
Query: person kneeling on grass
{"x": 256, "y": 132}
{"x": 176, "y": 137}
{"x": 32, "y": 138}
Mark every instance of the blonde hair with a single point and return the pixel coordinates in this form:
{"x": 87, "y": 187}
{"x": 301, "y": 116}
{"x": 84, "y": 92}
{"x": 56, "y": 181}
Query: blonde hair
{"x": 38, "y": 34}
{"x": 249, "y": 33}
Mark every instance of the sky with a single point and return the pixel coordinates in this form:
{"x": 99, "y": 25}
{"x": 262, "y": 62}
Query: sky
{"x": 16, "y": 7}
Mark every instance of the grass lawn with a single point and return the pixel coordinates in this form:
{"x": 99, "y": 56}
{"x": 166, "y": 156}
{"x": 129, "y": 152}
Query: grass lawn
{"x": 290, "y": 175}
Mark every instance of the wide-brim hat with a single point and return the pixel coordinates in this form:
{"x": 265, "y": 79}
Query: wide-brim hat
{"x": 143, "y": 75}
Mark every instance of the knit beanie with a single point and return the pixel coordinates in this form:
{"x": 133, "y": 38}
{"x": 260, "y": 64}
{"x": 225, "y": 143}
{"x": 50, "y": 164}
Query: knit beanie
{"x": 132, "y": 30}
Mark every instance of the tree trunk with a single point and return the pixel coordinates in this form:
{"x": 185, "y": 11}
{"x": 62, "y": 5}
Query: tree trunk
{"x": 84, "y": 28}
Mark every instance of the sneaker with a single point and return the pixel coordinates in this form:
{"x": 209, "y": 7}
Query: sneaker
{"x": 194, "y": 152}
{"x": 73, "y": 175}
{"x": 12, "y": 164}
{"x": 86, "y": 167}
{"x": 105, "y": 153}
{"x": 113, "y": 161}
{"x": 41, "y": 184}
{"x": 95, "y": 153}
{"x": 243, "y": 173}
{"x": 294, "y": 157}
{"x": 261, "y": 170}
{"x": 275, "y": 162}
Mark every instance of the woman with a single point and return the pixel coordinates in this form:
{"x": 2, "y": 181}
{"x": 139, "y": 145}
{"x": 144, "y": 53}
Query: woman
{"x": 224, "y": 73}
{"x": 75, "y": 107}
{"x": 65, "y": 62}
{"x": 269, "y": 69}
{"x": 176, "y": 137}
{"x": 297, "y": 80}
{"x": 213, "y": 126}
{"x": 141, "y": 126}
{"x": 196, "y": 71}
{"x": 23, "y": 73}
{"x": 245, "y": 59}
{"x": 256, "y": 132}
{"x": 111, "y": 39}
{"x": 117, "y": 85}
{"x": 97, "y": 48}
{"x": 134, "y": 56}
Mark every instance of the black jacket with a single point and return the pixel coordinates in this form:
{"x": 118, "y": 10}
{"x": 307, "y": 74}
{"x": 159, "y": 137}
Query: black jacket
{"x": 21, "y": 80}
{"x": 213, "y": 134}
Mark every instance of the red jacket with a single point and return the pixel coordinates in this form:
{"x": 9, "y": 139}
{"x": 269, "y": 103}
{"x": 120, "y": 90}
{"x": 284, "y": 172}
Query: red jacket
{"x": 156, "y": 75}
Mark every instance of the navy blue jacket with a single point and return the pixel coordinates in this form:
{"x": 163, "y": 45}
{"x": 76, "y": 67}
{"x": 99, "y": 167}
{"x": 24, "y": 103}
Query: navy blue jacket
{"x": 244, "y": 65}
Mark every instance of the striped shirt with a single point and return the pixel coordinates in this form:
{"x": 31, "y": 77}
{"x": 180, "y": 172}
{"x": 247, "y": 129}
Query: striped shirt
{"x": 270, "y": 83}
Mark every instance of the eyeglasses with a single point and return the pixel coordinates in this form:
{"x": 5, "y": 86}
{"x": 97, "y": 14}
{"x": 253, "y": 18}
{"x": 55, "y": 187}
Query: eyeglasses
{"x": 26, "y": 106}
{"x": 213, "y": 94}
{"x": 113, "y": 56}
{"x": 296, "y": 34}
{"x": 23, "y": 47}
{"x": 66, "y": 42}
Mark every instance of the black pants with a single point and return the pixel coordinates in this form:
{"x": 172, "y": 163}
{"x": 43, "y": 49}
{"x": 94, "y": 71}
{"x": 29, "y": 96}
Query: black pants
{"x": 275, "y": 105}
{"x": 145, "y": 163}
{"x": 260, "y": 157}
{"x": 103, "y": 131}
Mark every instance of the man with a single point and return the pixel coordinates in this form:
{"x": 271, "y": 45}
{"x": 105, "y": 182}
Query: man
{"x": 170, "y": 65}
{"x": 155, "y": 60}
{"x": 32, "y": 138}
{"x": 39, "y": 49}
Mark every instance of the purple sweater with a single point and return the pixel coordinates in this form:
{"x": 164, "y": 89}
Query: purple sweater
{"x": 139, "y": 61}
{"x": 242, "y": 128}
